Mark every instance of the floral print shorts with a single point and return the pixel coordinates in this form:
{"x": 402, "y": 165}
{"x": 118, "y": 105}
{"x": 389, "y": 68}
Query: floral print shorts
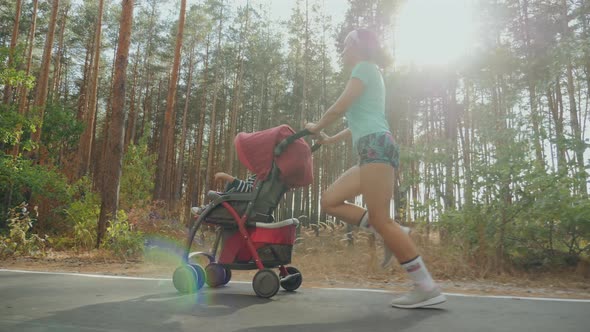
{"x": 378, "y": 148}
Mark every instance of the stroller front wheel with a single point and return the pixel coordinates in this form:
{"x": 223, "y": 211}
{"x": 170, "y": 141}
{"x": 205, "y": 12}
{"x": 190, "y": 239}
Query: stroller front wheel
{"x": 266, "y": 283}
{"x": 227, "y": 276}
{"x": 216, "y": 275}
{"x": 188, "y": 278}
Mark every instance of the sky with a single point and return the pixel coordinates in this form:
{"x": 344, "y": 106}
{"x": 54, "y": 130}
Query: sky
{"x": 435, "y": 32}
{"x": 427, "y": 31}
{"x": 279, "y": 9}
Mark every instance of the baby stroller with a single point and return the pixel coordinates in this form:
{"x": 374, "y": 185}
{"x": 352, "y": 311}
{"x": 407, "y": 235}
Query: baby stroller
{"x": 248, "y": 237}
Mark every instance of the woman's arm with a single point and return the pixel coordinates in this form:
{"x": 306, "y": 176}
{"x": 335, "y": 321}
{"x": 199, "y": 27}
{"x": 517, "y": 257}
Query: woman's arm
{"x": 344, "y": 134}
{"x": 354, "y": 88}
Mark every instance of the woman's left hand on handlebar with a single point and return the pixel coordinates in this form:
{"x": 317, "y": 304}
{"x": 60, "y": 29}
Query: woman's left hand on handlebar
{"x": 319, "y": 135}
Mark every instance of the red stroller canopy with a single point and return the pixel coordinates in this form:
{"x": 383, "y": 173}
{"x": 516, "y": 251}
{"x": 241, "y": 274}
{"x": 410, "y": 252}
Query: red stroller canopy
{"x": 256, "y": 152}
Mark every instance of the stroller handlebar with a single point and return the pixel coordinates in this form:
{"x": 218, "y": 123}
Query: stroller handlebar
{"x": 287, "y": 141}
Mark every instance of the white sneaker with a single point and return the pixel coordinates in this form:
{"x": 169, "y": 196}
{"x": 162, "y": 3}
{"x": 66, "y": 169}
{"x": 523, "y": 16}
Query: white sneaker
{"x": 418, "y": 298}
{"x": 388, "y": 254}
{"x": 196, "y": 210}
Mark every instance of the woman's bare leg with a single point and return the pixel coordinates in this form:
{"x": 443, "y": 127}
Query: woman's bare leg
{"x": 333, "y": 200}
{"x": 376, "y": 181}
{"x": 376, "y": 187}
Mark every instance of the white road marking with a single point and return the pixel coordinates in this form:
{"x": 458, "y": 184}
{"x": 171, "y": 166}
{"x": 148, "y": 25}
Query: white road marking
{"x": 105, "y": 276}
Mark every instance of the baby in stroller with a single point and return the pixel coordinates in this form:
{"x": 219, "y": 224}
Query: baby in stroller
{"x": 233, "y": 184}
{"x": 248, "y": 237}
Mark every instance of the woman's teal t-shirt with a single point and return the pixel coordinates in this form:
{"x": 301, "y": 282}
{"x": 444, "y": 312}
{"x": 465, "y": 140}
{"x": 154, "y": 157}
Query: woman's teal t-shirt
{"x": 367, "y": 114}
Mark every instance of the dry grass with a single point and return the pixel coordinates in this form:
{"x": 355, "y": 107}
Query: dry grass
{"x": 331, "y": 253}
{"x": 328, "y": 261}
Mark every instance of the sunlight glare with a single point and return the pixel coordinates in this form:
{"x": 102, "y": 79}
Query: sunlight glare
{"x": 434, "y": 32}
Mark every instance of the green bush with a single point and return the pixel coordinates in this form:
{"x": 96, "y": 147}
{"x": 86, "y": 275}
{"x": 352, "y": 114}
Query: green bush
{"x": 11, "y": 75}
{"x": 61, "y": 131}
{"x": 83, "y": 216}
{"x": 137, "y": 178}
{"x": 122, "y": 239}
{"x": 20, "y": 179}
{"x": 12, "y": 127}
{"x": 544, "y": 226}
{"x": 20, "y": 241}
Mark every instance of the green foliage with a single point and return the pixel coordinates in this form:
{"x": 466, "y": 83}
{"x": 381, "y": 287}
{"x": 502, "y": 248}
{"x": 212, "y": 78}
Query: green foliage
{"x": 137, "y": 179}
{"x": 554, "y": 222}
{"x": 83, "y": 215}
{"x": 11, "y": 75}
{"x": 121, "y": 239}
{"x": 20, "y": 179}
{"x": 61, "y": 129}
{"x": 545, "y": 226}
{"x": 20, "y": 241}
{"x": 13, "y": 126}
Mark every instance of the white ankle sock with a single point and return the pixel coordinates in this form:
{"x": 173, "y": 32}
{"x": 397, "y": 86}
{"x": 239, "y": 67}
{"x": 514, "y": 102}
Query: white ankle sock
{"x": 419, "y": 273}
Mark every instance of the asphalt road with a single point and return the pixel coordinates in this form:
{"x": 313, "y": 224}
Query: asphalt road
{"x": 64, "y": 302}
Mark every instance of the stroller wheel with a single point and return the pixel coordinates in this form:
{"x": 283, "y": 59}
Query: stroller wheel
{"x": 227, "y": 276}
{"x": 266, "y": 283}
{"x": 215, "y": 275}
{"x": 201, "y": 258}
{"x": 188, "y": 278}
{"x": 293, "y": 280}
{"x": 200, "y": 275}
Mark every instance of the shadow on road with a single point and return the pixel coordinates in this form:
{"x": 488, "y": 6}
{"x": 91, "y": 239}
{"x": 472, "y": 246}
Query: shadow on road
{"x": 154, "y": 312}
{"x": 396, "y": 322}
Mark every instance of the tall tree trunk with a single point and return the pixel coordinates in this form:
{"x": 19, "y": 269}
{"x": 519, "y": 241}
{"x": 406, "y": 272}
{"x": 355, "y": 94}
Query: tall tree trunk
{"x": 557, "y": 114}
{"x": 236, "y": 99}
{"x": 579, "y": 145}
{"x": 131, "y": 119}
{"x": 586, "y": 63}
{"x": 164, "y": 170}
{"x": 23, "y": 95}
{"x": 24, "y": 92}
{"x": 504, "y": 158}
{"x": 87, "y": 138}
{"x": 58, "y": 56}
{"x": 100, "y": 154}
{"x": 8, "y": 88}
{"x": 156, "y": 130}
{"x": 42, "y": 85}
{"x": 213, "y": 123}
{"x": 196, "y": 194}
{"x": 191, "y": 181}
{"x": 113, "y": 166}
{"x": 451, "y": 137}
{"x": 148, "y": 73}
{"x": 304, "y": 100}
{"x": 177, "y": 190}
{"x": 220, "y": 150}
{"x": 466, "y": 144}
{"x": 83, "y": 95}
{"x": 531, "y": 79}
